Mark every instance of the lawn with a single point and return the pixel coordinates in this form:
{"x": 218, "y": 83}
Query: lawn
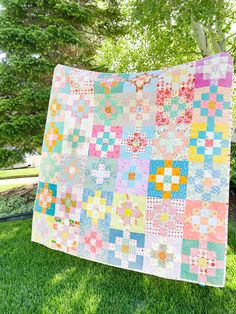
{"x": 39, "y": 280}
{"x": 19, "y": 173}
{"x": 7, "y": 187}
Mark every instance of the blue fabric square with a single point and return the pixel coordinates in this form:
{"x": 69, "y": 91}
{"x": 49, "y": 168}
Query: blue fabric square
{"x": 137, "y": 143}
{"x": 47, "y": 204}
{"x": 126, "y": 249}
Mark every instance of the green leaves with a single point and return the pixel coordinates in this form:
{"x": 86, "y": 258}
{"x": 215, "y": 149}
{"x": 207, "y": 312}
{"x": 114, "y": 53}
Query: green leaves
{"x": 37, "y": 35}
{"x": 160, "y": 33}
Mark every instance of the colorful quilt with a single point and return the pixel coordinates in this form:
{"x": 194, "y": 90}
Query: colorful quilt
{"x": 135, "y": 169}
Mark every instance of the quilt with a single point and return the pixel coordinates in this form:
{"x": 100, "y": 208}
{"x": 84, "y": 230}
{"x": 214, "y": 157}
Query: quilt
{"x": 135, "y": 169}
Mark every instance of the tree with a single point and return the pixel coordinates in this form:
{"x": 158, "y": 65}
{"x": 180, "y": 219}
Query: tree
{"x": 35, "y": 35}
{"x": 167, "y": 32}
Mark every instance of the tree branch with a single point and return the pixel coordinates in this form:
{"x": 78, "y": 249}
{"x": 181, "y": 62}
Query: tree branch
{"x": 201, "y": 37}
{"x": 232, "y": 35}
{"x": 217, "y": 47}
{"x": 220, "y": 35}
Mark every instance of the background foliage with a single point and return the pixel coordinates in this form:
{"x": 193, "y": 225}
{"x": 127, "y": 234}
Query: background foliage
{"x": 168, "y": 32}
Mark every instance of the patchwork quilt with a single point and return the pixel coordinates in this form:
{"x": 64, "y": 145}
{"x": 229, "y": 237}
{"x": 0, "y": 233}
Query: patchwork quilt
{"x": 135, "y": 169}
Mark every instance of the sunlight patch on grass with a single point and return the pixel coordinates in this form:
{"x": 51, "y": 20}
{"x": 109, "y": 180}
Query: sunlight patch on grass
{"x": 58, "y": 278}
{"x": 7, "y": 187}
{"x": 19, "y": 173}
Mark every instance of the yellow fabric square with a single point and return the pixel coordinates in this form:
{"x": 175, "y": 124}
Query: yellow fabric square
{"x": 128, "y": 212}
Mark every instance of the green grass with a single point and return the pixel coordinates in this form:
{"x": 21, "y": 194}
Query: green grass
{"x": 35, "y": 279}
{"x": 7, "y": 187}
{"x": 18, "y": 173}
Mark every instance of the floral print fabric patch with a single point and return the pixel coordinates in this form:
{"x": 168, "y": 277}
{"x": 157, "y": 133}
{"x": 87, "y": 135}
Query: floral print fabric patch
{"x": 135, "y": 169}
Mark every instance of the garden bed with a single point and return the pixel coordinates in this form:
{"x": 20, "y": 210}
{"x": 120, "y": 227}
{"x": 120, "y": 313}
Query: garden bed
{"x": 17, "y": 203}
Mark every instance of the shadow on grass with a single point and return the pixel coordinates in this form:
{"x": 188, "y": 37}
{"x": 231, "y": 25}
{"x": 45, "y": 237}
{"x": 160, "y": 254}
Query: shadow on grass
{"x": 39, "y": 280}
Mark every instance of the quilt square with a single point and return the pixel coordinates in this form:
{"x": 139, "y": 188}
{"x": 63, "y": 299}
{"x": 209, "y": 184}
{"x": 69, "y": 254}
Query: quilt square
{"x": 174, "y": 110}
{"x": 134, "y": 169}
{"x": 211, "y": 101}
{"x": 80, "y": 106}
{"x": 205, "y": 221}
{"x": 69, "y": 203}
{"x": 81, "y": 81}
{"x": 72, "y": 169}
{"x": 165, "y": 217}
{"x": 132, "y": 176}
{"x": 203, "y": 262}
{"x": 207, "y": 182}
{"x": 105, "y": 141}
{"x": 141, "y": 82}
{"x": 178, "y": 76}
{"x": 61, "y": 80}
{"x": 96, "y": 207}
{"x": 209, "y": 142}
{"x": 50, "y": 167}
{"x": 46, "y": 198}
{"x": 100, "y": 174}
{"x": 136, "y": 143}
{"x": 110, "y": 83}
{"x": 163, "y": 256}
{"x": 128, "y": 212}
{"x": 214, "y": 70}
{"x": 93, "y": 242}
{"x": 171, "y": 142}
{"x": 43, "y": 228}
{"x": 76, "y": 141}
{"x": 126, "y": 249}
{"x": 175, "y": 93}
{"x": 53, "y": 137}
{"x": 168, "y": 179}
{"x": 57, "y": 107}
{"x": 108, "y": 110}
{"x": 139, "y": 109}
{"x": 65, "y": 235}
{"x": 67, "y": 220}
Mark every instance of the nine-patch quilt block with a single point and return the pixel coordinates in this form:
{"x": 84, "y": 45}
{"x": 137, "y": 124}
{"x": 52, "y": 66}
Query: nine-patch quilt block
{"x": 135, "y": 169}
